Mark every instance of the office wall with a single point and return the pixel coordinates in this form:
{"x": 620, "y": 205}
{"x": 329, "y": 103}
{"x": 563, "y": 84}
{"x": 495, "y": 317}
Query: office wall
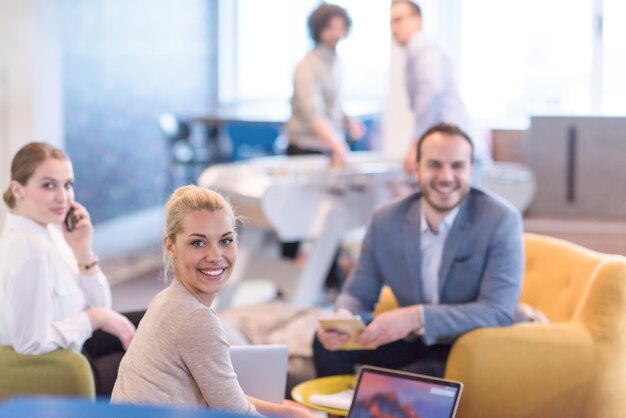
{"x": 4, "y": 146}
{"x": 30, "y": 80}
{"x": 398, "y": 123}
{"x": 124, "y": 63}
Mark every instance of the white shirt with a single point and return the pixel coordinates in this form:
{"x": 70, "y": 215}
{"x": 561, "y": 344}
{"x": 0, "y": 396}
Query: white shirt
{"x": 43, "y": 297}
{"x": 431, "y": 246}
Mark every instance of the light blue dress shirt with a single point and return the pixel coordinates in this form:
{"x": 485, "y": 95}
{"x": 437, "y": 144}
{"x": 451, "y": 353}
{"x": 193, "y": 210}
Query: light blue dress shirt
{"x": 431, "y": 245}
{"x": 434, "y": 93}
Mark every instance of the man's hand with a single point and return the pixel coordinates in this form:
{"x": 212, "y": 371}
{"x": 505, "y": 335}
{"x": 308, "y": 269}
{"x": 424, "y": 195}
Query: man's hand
{"x": 332, "y": 340}
{"x": 391, "y": 326}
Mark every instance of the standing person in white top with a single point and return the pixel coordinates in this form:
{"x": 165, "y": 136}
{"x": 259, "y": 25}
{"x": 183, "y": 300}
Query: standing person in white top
{"x": 180, "y": 354}
{"x": 431, "y": 85}
{"x": 52, "y": 292}
{"x": 318, "y": 119}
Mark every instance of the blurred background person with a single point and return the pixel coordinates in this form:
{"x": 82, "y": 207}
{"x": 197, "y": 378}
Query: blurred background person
{"x": 181, "y": 354}
{"x": 318, "y": 121}
{"x": 430, "y": 83}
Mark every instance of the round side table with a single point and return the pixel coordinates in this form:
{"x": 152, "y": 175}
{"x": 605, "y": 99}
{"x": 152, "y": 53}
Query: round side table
{"x": 323, "y": 386}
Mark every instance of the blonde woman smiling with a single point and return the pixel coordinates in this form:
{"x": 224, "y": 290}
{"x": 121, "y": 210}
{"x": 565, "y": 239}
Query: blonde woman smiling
{"x": 180, "y": 354}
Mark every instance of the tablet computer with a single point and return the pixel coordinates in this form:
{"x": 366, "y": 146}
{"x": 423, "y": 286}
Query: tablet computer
{"x": 351, "y": 326}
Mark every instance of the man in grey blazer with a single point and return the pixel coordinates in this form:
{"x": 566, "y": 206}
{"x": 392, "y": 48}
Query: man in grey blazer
{"x": 453, "y": 256}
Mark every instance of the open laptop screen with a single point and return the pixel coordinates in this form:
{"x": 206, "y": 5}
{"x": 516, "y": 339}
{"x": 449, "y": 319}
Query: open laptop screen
{"x": 390, "y": 393}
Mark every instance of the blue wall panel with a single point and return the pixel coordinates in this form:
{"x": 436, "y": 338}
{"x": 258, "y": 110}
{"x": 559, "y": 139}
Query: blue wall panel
{"x": 125, "y": 63}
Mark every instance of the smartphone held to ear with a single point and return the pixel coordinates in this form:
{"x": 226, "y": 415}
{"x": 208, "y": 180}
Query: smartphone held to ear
{"x": 70, "y": 220}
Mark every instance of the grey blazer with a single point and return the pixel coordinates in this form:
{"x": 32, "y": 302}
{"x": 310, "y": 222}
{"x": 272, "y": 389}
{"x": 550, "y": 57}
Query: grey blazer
{"x": 481, "y": 268}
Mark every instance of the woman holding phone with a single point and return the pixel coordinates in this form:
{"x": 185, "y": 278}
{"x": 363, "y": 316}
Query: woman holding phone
{"x": 52, "y": 292}
{"x": 180, "y": 354}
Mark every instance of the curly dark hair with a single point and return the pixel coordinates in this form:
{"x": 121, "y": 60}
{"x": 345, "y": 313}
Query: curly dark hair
{"x": 319, "y": 18}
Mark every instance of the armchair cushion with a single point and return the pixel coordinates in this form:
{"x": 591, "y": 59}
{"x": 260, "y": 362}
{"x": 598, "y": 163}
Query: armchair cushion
{"x": 573, "y": 367}
{"x": 523, "y": 371}
{"x": 61, "y": 372}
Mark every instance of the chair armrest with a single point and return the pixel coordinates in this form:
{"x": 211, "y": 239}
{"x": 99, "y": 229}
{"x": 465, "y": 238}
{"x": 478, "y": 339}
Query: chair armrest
{"x": 603, "y": 312}
{"x": 523, "y": 371}
{"x": 60, "y": 372}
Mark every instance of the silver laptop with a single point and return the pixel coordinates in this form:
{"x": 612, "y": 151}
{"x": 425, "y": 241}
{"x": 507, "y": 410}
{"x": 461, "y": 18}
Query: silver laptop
{"x": 261, "y": 370}
{"x": 383, "y": 392}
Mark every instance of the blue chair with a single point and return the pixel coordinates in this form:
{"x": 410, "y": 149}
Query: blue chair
{"x": 41, "y": 407}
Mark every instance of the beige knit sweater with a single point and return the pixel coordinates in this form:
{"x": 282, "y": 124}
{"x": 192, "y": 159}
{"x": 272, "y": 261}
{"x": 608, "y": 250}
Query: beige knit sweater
{"x": 180, "y": 356}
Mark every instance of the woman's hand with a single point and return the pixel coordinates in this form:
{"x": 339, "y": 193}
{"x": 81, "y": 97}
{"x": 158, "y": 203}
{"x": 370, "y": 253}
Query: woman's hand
{"x": 79, "y": 239}
{"x": 286, "y": 409}
{"x": 112, "y": 322}
{"x": 296, "y": 410}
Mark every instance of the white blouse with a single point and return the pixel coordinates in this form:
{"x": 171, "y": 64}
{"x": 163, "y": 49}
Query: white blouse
{"x": 43, "y": 297}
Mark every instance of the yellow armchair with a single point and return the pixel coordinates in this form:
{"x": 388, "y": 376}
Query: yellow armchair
{"x": 574, "y": 367}
{"x": 61, "y": 373}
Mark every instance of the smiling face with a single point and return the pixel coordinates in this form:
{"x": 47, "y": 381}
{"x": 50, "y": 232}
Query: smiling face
{"x": 204, "y": 252}
{"x": 444, "y": 173}
{"x": 48, "y": 194}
